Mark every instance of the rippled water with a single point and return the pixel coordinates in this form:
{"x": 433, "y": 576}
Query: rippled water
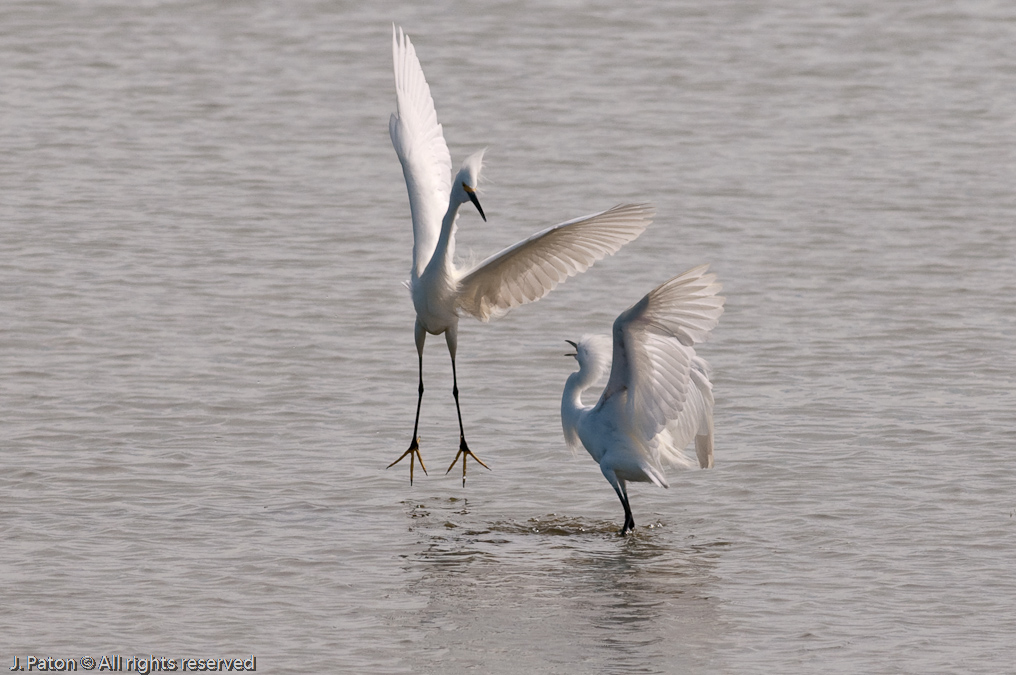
{"x": 208, "y": 356}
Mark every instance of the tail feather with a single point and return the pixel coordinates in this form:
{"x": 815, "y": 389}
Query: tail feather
{"x": 704, "y": 450}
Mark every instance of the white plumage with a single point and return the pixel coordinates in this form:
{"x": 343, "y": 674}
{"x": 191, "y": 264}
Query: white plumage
{"x": 533, "y": 267}
{"x": 441, "y": 290}
{"x": 658, "y": 397}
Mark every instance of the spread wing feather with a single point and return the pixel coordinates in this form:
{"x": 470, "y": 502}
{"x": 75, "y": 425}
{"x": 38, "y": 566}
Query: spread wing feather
{"x": 533, "y": 267}
{"x": 694, "y": 422}
{"x": 420, "y": 145}
{"x": 653, "y": 349}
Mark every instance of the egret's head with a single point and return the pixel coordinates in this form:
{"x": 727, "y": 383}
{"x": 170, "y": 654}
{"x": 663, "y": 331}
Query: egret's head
{"x": 467, "y": 178}
{"x": 593, "y": 353}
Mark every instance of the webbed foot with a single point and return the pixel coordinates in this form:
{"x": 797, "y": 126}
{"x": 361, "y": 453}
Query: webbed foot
{"x": 414, "y": 454}
{"x": 464, "y": 452}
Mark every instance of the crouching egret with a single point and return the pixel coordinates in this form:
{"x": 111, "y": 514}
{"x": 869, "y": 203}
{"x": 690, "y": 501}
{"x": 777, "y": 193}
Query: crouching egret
{"x": 658, "y": 396}
{"x": 522, "y": 273}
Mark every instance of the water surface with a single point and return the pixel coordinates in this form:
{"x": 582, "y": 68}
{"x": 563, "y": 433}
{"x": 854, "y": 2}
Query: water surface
{"x": 208, "y": 357}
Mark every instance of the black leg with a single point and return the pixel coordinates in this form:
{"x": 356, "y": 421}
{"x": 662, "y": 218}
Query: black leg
{"x": 629, "y": 521}
{"x": 464, "y": 450}
{"x": 414, "y": 445}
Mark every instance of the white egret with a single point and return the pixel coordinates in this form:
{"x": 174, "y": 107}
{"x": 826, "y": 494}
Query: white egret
{"x": 658, "y": 396}
{"x": 525, "y": 272}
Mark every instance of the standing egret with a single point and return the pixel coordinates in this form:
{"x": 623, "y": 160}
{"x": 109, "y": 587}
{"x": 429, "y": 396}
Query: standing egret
{"x": 658, "y": 396}
{"x": 522, "y": 273}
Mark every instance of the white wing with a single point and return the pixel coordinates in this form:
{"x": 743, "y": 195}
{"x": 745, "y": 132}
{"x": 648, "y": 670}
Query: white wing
{"x": 532, "y": 268}
{"x": 694, "y": 422}
{"x": 653, "y": 351}
{"x": 421, "y": 147}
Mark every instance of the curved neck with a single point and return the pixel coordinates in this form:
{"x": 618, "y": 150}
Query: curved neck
{"x": 444, "y": 251}
{"x": 571, "y": 400}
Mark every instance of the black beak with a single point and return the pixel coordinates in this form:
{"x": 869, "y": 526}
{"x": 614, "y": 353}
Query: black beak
{"x": 575, "y": 353}
{"x": 476, "y": 203}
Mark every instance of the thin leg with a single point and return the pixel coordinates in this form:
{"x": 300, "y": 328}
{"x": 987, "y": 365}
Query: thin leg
{"x": 464, "y": 450}
{"x": 414, "y": 446}
{"x": 629, "y": 521}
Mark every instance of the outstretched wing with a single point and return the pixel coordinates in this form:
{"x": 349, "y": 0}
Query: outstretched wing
{"x": 532, "y": 268}
{"x": 420, "y": 144}
{"x": 694, "y": 422}
{"x": 653, "y": 348}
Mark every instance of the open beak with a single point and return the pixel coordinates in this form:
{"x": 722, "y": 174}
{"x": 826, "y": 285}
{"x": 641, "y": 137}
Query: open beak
{"x": 576, "y": 352}
{"x": 471, "y": 193}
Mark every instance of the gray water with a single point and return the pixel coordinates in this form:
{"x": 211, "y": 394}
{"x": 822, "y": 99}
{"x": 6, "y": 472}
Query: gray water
{"x": 207, "y": 352}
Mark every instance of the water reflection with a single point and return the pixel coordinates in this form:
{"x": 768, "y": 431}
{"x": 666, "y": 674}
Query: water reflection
{"x": 591, "y": 599}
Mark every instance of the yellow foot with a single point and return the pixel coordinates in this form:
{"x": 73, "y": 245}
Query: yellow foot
{"x": 464, "y": 452}
{"x": 414, "y": 454}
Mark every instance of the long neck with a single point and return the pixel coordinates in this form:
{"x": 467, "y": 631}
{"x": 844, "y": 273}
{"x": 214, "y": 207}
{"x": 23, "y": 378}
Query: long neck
{"x": 572, "y": 409}
{"x": 444, "y": 251}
